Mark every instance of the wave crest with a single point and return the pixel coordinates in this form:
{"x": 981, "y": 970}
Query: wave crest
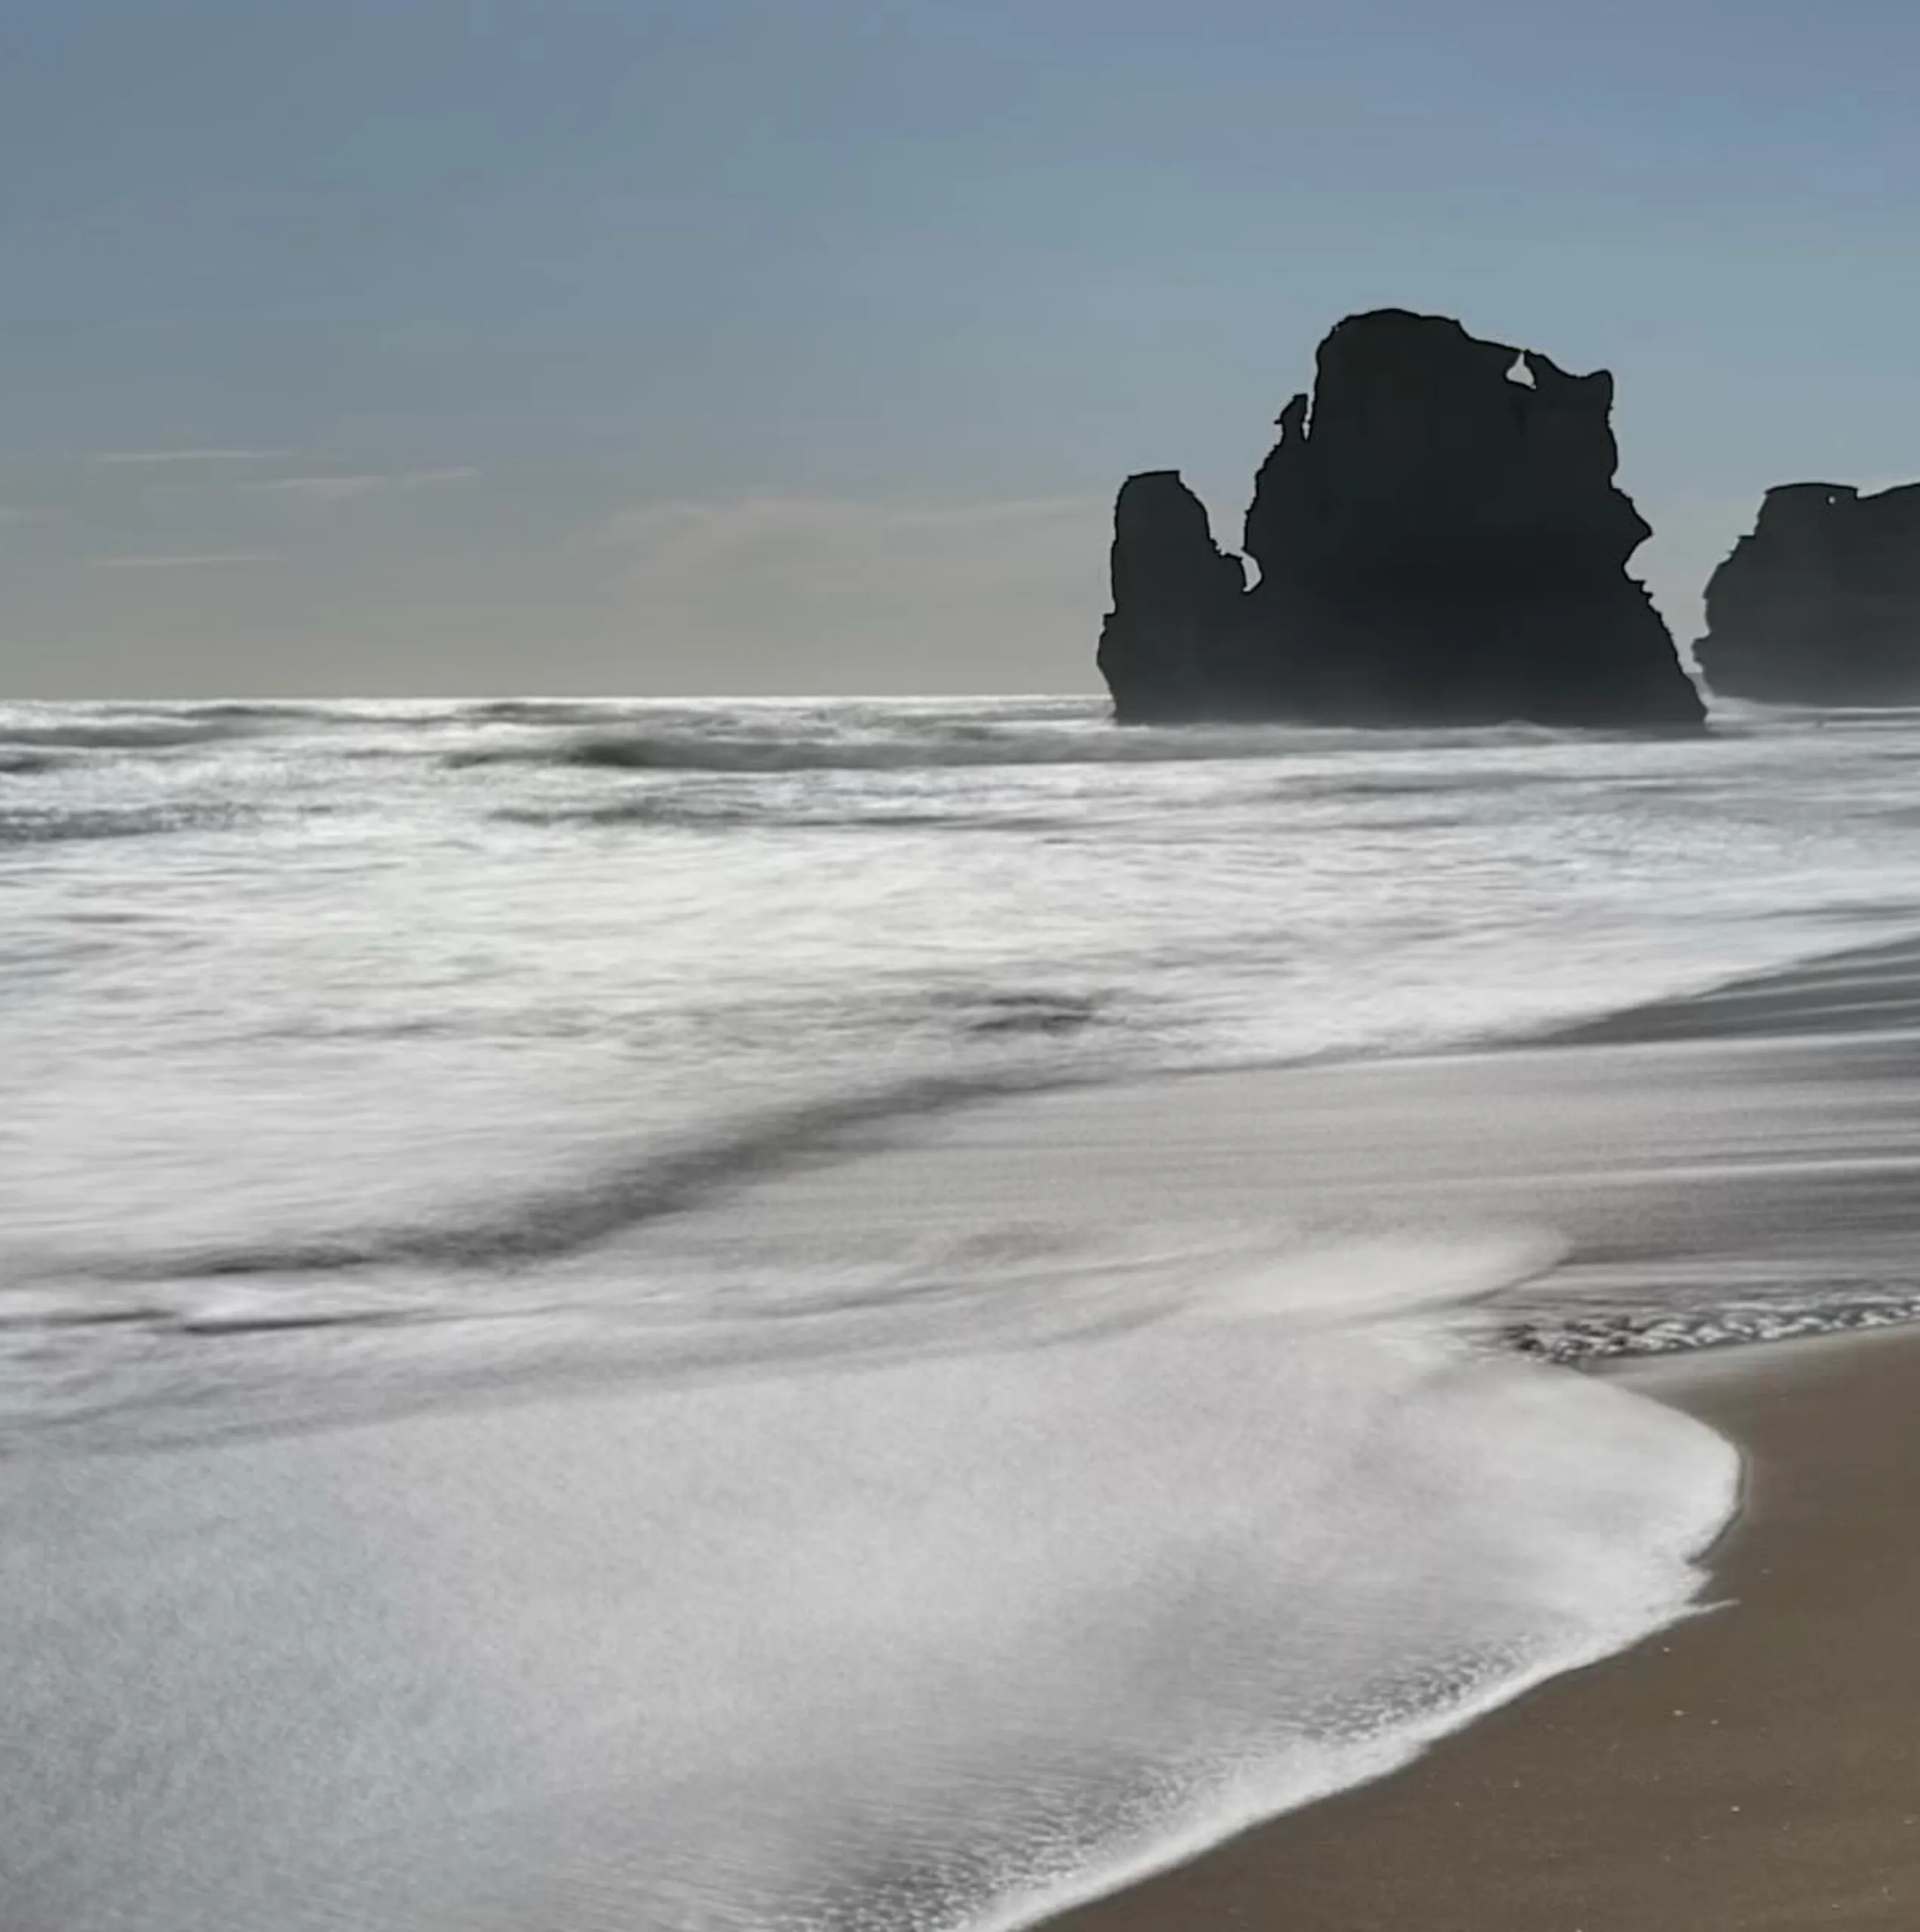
{"x": 950, "y": 746}
{"x": 730, "y": 815}
{"x": 56, "y": 827}
{"x": 97, "y": 734}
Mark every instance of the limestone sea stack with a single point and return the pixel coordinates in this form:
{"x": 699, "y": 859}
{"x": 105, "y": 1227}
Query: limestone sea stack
{"x": 1820, "y": 605}
{"x": 1439, "y": 541}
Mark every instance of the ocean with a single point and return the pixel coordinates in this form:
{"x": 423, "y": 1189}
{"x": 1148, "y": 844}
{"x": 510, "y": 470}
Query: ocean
{"x": 846, "y": 1544}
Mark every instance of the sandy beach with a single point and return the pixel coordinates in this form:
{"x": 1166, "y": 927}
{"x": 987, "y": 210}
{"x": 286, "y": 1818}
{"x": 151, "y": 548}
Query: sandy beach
{"x": 1755, "y": 1767}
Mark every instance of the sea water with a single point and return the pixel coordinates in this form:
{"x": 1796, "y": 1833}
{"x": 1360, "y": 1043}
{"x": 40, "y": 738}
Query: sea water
{"x": 377, "y": 1062}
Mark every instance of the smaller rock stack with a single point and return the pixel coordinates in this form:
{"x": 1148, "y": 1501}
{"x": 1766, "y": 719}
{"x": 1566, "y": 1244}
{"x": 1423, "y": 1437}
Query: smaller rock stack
{"x": 1820, "y": 605}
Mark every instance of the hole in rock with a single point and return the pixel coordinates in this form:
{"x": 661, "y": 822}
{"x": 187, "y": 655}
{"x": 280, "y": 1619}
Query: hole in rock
{"x": 1522, "y": 372}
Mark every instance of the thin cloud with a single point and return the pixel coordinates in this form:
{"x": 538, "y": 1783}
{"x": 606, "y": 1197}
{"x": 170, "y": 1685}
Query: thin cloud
{"x": 690, "y": 536}
{"x": 210, "y": 559}
{"x": 324, "y": 491}
{"x": 116, "y": 458}
{"x": 821, "y": 594}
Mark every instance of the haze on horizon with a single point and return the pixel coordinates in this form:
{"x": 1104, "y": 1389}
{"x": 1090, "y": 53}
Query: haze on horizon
{"x": 571, "y": 346}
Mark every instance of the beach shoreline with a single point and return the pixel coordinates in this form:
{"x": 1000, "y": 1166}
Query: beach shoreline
{"x": 1752, "y": 1766}
{"x": 398, "y": 1669}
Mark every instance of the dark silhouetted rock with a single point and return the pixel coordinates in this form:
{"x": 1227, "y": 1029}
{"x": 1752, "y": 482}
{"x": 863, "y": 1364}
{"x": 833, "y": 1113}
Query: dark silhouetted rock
{"x": 1821, "y": 604}
{"x": 1175, "y": 597}
{"x": 1439, "y": 541}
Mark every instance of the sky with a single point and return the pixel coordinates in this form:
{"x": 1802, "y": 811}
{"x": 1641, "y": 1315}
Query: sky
{"x": 435, "y": 347}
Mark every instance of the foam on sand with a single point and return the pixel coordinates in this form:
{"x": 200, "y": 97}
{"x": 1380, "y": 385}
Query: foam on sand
{"x": 925, "y": 1644}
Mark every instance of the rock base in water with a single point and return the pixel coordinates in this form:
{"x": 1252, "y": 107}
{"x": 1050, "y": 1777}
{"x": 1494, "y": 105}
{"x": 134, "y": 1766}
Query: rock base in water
{"x": 1820, "y": 605}
{"x": 1439, "y": 541}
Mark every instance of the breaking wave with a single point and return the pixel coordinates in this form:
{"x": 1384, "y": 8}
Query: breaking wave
{"x": 165, "y": 733}
{"x": 728, "y": 814}
{"x": 954, "y": 746}
{"x": 26, "y": 730}
{"x": 57, "y": 827}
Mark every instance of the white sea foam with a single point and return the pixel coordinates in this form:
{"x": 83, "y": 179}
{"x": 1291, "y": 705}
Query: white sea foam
{"x": 908, "y": 1586}
{"x": 336, "y": 988}
{"x": 931, "y": 1644}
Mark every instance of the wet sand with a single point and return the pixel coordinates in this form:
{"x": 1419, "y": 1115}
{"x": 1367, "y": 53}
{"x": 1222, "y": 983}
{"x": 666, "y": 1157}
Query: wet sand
{"x": 1756, "y": 1767}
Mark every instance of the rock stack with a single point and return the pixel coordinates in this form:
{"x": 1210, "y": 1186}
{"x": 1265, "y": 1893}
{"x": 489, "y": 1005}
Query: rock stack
{"x": 1439, "y": 541}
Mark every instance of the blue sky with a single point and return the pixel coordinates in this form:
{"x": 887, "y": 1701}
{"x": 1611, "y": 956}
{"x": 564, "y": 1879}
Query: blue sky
{"x": 569, "y": 345}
